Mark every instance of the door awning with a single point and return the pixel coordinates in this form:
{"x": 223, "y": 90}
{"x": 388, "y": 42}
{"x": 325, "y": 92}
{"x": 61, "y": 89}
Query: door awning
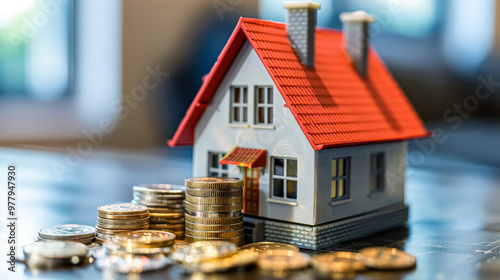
{"x": 250, "y": 158}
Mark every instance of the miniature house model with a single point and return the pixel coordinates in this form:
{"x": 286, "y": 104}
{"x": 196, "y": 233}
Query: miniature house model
{"x": 313, "y": 122}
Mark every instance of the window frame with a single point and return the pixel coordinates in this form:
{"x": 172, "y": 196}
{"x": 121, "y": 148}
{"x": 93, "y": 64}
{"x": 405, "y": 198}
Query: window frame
{"x": 283, "y": 177}
{"x": 377, "y": 173}
{"x": 346, "y": 177}
{"x": 220, "y": 170}
{"x": 268, "y": 91}
{"x": 240, "y": 105}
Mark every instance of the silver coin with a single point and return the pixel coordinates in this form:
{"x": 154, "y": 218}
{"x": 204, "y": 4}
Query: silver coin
{"x": 213, "y": 214}
{"x": 128, "y": 264}
{"x": 67, "y": 232}
{"x": 122, "y": 208}
{"x": 85, "y": 241}
{"x": 160, "y": 189}
{"x": 158, "y": 204}
{"x": 204, "y": 250}
{"x": 55, "y": 250}
{"x": 159, "y": 200}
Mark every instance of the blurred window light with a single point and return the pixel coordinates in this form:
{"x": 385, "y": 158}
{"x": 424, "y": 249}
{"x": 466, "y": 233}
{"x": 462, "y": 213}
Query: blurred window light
{"x": 36, "y": 59}
{"x": 468, "y": 34}
{"x": 413, "y": 18}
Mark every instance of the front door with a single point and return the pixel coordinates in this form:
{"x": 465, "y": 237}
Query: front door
{"x": 251, "y": 177}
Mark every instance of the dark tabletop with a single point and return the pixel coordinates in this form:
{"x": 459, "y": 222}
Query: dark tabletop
{"x": 453, "y": 229}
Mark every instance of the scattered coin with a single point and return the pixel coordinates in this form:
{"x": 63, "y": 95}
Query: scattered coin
{"x": 260, "y": 247}
{"x": 282, "y": 260}
{"x": 203, "y": 251}
{"x": 387, "y": 258}
{"x": 128, "y": 264}
{"x": 334, "y": 262}
{"x": 144, "y": 238}
{"x": 51, "y": 254}
{"x": 240, "y": 259}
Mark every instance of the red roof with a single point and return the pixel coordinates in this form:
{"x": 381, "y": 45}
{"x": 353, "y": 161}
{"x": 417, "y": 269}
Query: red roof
{"x": 333, "y": 105}
{"x": 245, "y": 157}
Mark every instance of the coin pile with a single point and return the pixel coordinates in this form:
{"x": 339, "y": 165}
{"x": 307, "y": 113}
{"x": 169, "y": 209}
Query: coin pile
{"x": 68, "y": 232}
{"x": 121, "y": 217}
{"x": 213, "y": 209}
{"x": 140, "y": 250}
{"x": 166, "y": 206}
{"x": 53, "y": 254}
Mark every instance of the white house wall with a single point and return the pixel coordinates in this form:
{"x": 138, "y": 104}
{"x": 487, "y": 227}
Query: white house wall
{"x": 214, "y": 133}
{"x": 360, "y": 199}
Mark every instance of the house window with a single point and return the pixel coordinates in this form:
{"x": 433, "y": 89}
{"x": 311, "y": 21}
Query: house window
{"x": 340, "y": 178}
{"x": 377, "y": 171}
{"x": 284, "y": 178}
{"x": 239, "y": 104}
{"x": 263, "y": 105}
{"x": 214, "y": 168}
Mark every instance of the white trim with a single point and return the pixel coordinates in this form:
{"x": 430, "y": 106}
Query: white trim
{"x": 270, "y": 127}
{"x": 238, "y": 125}
{"x": 279, "y": 201}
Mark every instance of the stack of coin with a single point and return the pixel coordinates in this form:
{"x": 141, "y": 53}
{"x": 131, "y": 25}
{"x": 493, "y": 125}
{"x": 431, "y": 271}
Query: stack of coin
{"x": 213, "y": 209}
{"x": 166, "y": 206}
{"x": 68, "y": 232}
{"x": 118, "y": 218}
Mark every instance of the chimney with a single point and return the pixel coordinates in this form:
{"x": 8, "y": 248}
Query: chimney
{"x": 301, "y": 28}
{"x": 356, "y": 29}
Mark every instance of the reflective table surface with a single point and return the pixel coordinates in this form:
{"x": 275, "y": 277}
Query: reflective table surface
{"x": 453, "y": 229}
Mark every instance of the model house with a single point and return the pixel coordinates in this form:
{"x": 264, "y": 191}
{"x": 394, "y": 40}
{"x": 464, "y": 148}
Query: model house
{"x": 313, "y": 122}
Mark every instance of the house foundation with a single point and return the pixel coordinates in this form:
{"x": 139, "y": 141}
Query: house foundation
{"x": 328, "y": 234}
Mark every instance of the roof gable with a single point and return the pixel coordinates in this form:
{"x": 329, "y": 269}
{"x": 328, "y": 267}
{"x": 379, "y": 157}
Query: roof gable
{"x": 333, "y": 105}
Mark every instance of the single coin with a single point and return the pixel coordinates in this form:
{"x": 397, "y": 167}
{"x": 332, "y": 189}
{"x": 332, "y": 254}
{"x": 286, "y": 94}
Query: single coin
{"x": 113, "y": 231}
{"x": 214, "y": 227}
{"x": 240, "y": 259}
{"x": 166, "y": 215}
{"x": 144, "y": 238}
{"x": 162, "y": 210}
{"x": 204, "y": 250}
{"x": 123, "y": 227}
{"x": 214, "y": 207}
{"x": 260, "y": 247}
{"x": 157, "y": 204}
{"x": 338, "y": 262}
{"x": 177, "y": 227}
{"x": 387, "y": 258}
{"x": 56, "y": 250}
{"x": 215, "y": 234}
{"x": 282, "y": 260}
{"x": 213, "y": 183}
{"x": 215, "y": 193}
{"x": 213, "y": 214}
{"x": 123, "y": 222}
{"x": 67, "y": 232}
{"x": 122, "y": 217}
{"x": 214, "y": 200}
{"x": 223, "y": 220}
{"x": 155, "y": 220}
{"x": 160, "y": 189}
{"x": 128, "y": 264}
{"x": 122, "y": 209}
{"x": 239, "y": 240}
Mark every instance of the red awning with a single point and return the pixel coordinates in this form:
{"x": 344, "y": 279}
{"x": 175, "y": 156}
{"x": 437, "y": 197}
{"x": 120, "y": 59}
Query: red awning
{"x": 245, "y": 157}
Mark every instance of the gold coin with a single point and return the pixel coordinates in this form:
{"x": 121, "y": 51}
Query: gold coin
{"x": 123, "y": 227}
{"x": 223, "y": 220}
{"x": 283, "y": 260}
{"x": 387, "y": 258}
{"x": 213, "y": 208}
{"x": 165, "y": 210}
{"x": 215, "y": 234}
{"x": 154, "y": 203}
{"x": 144, "y": 238}
{"x": 215, "y": 193}
{"x": 214, "y": 200}
{"x": 155, "y": 220}
{"x": 214, "y": 227}
{"x": 110, "y": 231}
{"x": 260, "y": 247}
{"x": 123, "y": 222}
{"x": 122, "y": 209}
{"x": 240, "y": 259}
{"x": 239, "y": 240}
{"x": 166, "y": 215}
{"x": 338, "y": 262}
{"x": 203, "y": 251}
{"x": 167, "y": 226}
{"x": 213, "y": 183}
{"x": 122, "y": 217}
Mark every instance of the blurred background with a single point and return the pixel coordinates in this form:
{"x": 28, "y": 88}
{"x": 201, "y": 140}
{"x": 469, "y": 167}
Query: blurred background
{"x": 69, "y": 67}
